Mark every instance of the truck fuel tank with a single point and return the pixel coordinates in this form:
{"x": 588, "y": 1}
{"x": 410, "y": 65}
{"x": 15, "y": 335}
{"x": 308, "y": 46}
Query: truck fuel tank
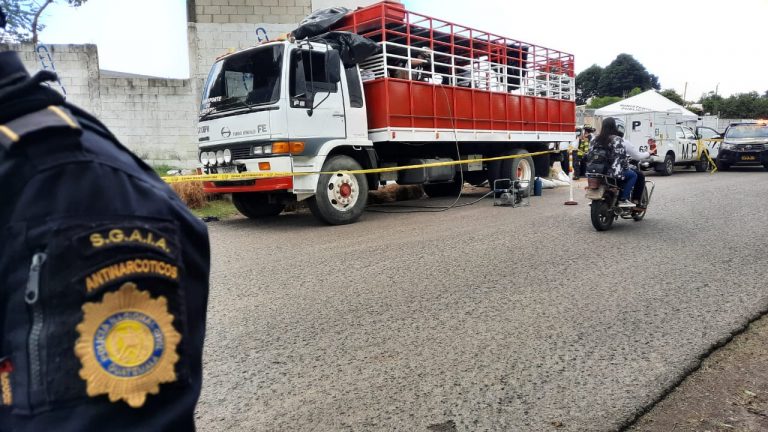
{"x": 426, "y": 175}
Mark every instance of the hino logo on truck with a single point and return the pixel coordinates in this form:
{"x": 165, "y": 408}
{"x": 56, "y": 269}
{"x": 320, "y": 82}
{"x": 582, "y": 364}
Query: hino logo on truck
{"x": 225, "y": 132}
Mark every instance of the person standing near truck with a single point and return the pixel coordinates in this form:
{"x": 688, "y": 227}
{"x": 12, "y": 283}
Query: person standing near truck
{"x": 103, "y": 275}
{"x": 580, "y": 162}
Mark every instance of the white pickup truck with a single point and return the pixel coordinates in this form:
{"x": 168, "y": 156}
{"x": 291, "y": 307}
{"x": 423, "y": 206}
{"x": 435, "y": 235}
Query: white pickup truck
{"x": 675, "y": 143}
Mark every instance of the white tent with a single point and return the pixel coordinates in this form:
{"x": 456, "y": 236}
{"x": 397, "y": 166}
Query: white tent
{"x": 644, "y": 102}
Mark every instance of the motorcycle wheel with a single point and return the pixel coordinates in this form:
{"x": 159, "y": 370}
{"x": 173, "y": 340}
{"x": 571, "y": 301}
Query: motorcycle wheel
{"x": 602, "y": 216}
{"x": 638, "y": 216}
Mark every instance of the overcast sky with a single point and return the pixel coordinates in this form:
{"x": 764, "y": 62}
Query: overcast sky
{"x": 703, "y": 43}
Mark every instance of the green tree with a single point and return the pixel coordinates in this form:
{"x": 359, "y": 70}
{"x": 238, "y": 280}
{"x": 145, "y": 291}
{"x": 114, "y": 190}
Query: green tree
{"x": 672, "y": 95}
{"x": 750, "y": 105}
{"x": 600, "y": 102}
{"x": 586, "y": 83}
{"x": 24, "y": 18}
{"x": 635, "y": 91}
{"x": 622, "y": 75}
{"x": 19, "y": 17}
{"x": 711, "y": 103}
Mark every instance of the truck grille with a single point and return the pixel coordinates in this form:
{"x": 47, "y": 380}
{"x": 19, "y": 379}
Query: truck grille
{"x": 751, "y": 147}
{"x": 241, "y": 152}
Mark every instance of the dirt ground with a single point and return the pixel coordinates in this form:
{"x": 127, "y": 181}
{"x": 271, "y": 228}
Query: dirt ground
{"x": 728, "y": 393}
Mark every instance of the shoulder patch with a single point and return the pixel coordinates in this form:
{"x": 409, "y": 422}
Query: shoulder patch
{"x": 127, "y": 345}
{"x": 51, "y": 117}
{"x": 125, "y": 235}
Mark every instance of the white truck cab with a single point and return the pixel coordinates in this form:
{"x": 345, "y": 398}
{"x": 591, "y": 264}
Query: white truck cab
{"x": 282, "y": 108}
{"x": 675, "y": 143}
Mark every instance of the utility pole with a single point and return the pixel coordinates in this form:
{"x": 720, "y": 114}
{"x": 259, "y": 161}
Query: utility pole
{"x": 685, "y": 90}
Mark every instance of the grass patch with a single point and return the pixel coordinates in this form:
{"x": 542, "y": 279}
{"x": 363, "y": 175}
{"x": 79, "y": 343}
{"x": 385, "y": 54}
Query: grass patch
{"x": 221, "y": 209}
{"x": 162, "y": 170}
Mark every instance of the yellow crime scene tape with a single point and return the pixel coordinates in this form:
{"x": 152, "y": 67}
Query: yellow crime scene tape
{"x": 257, "y": 175}
{"x": 701, "y": 147}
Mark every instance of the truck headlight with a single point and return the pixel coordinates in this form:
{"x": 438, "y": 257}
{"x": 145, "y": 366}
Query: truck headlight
{"x": 268, "y": 149}
{"x": 258, "y": 150}
{"x": 728, "y": 146}
{"x": 220, "y": 157}
{"x": 204, "y": 158}
{"x": 211, "y": 158}
{"x": 227, "y": 156}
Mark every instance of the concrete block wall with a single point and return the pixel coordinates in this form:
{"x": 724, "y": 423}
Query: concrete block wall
{"x": 154, "y": 117}
{"x": 75, "y": 65}
{"x": 250, "y": 11}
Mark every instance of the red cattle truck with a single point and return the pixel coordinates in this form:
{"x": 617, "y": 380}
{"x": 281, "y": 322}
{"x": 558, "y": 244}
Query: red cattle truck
{"x": 435, "y": 92}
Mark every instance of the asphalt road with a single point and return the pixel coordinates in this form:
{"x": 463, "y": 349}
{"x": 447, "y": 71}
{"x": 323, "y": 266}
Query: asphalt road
{"x": 482, "y": 317}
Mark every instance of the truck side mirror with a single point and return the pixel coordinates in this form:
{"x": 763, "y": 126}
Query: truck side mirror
{"x": 333, "y": 66}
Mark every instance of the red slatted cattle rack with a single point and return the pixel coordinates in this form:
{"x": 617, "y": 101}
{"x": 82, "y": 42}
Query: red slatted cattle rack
{"x": 434, "y": 76}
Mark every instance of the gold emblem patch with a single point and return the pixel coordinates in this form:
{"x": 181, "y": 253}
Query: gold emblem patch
{"x": 127, "y": 345}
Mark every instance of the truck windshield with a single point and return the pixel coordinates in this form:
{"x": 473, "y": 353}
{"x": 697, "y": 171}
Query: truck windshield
{"x": 748, "y": 131}
{"x": 243, "y": 80}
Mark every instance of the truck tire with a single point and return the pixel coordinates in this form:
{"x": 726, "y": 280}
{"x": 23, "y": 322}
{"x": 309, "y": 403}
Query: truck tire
{"x": 254, "y": 205}
{"x": 523, "y": 169}
{"x": 340, "y": 198}
{"x": 703, "y": 164}
{"x": 435, "y": 190}
{"x": 667, "y": 167}
{"x": 722, "y": 166}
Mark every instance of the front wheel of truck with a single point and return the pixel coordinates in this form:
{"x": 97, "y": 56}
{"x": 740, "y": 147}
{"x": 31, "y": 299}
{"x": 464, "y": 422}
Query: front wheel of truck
{"x": 341, "y": 197}
{"x": 254, "y": 205}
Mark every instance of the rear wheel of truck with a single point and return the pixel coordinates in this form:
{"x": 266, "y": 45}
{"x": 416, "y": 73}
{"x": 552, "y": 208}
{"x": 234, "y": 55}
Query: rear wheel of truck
{"x": 703, "y": 164}
{"x": 255, "y": 205}
{"x": 435, "y": 190}
{"x": 667, "y": 167}
{"x": 340, "y": 197}
{"x": 523, "y": 169}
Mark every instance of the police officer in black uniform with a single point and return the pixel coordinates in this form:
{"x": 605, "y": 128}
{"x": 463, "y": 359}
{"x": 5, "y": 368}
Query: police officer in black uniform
{"x": 103, "y": 275}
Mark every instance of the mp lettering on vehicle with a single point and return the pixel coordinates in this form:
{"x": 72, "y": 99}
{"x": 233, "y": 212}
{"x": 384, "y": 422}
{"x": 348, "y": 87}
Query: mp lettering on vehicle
{"x": 689, "y": 150}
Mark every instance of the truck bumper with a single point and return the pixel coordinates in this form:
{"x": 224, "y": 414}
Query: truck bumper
{"x": 731, "y": 157}
{"x": 281, "y": 164}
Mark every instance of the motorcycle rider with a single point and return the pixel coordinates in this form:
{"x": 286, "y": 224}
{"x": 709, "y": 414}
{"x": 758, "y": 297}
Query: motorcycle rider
{"x": 610, "y": 138}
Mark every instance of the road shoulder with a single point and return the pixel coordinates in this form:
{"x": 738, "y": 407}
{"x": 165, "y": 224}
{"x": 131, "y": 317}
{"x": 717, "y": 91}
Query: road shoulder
{"x": 729, "y": 392}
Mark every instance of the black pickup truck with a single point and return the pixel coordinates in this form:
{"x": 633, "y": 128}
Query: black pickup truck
{"x": 744, "y": 144}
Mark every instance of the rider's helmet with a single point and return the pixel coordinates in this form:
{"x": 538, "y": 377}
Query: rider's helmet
{"x": 620, "y": 125}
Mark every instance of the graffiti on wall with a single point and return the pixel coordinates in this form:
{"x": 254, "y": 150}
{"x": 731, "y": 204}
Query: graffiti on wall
{"x": 46, "y": 63}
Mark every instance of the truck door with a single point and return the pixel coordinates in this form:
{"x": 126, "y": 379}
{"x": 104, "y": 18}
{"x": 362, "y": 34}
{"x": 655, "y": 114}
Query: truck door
{"x": 316, "y": 108}
{"x": 710, "y": 139}
{"x": 686, "y": 144}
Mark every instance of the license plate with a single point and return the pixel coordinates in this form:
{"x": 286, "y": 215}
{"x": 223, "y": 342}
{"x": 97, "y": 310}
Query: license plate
{"x": 749, "y": 158}
{"x": 227, "y": 170}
